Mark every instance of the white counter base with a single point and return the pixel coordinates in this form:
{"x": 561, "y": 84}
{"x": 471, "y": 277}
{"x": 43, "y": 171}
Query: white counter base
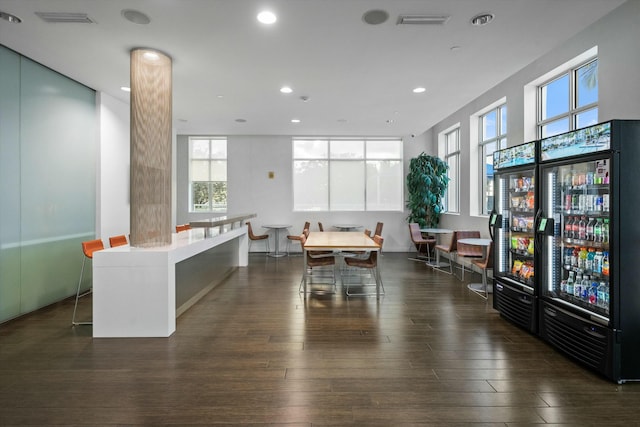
{"x": 134, "y": 289}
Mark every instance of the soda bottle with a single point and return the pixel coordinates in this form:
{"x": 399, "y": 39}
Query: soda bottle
{"x": 576, "y": 227}
{"x": 582, "y": 259}
{"x": 605, "y": 263}
{"x": 597, "y": 231}
{"x": 591, "y": 255}
{"x": 568, "y": 227}
{"x": 582, "y": 228}
{"x": 590, "y": 228}
{"x": 568, "y": 252}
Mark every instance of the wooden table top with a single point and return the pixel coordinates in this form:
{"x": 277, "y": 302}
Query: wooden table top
{"x": 355, "y": 240}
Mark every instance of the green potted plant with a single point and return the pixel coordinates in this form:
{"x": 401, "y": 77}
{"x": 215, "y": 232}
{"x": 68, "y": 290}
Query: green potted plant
{"x": 427, "y": 183}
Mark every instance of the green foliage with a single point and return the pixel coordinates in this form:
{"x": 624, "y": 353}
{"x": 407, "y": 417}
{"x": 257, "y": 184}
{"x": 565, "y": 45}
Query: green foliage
{"x": 427, "y": 183}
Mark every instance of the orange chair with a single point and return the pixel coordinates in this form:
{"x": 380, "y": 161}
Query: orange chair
{"x": 117, "y": 240}
{"x": 371, "y": 264}
{"x": 467, "y": 251}
{"x": 317, "y": 259}
{"x": 295, "y": 237}
{"x": 448, "y": 248}
{"x": 320, "y": 227}
{"x": 422, "y": 244}
{"x": 182, "y": 227}
{"x": 88, "y": 248}
{"x": 378, "y": 231}
{"x": 484, "y": 265}
{"x": 254, "y": 237}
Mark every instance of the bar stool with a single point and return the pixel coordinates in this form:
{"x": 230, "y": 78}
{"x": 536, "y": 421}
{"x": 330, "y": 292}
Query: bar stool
{"x": 117, "y": 240}
{"x": 88, "y": 248}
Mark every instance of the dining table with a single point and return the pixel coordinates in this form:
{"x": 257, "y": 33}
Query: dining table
{"x": 276, "y": 228}
{"x": 478, "y": 288}
{"x": 339, "y": 241}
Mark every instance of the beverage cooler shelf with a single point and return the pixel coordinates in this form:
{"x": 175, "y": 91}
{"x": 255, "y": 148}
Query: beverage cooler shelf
{"x": 519, "y": 279}
{"x": 586, "y": 243}
{"x": 580, "y": 302}
{"x": 521, "y": 254}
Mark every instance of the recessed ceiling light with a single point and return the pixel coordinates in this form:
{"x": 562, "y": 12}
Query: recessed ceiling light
{"x": 267, "y": 17}
{"x": 482, "y": 19}
{"x": 419, "y": 90}
{"x": 375, "y": 17}
{"x": 220, "y": 96}
{"x": 135, "y": 16}
{"x": 125, "y": 89}
{"x": 10, "y": 18}
{"x": 153, "y": 56}
{"x": 286, "y": 89}
{"x": 295, "y": 120}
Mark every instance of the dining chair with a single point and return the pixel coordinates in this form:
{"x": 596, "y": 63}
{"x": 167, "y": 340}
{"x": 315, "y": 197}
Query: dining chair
{"x": 317, "y": 260}
{"x": 368, "y": 265}
{"x": 483, "y": 265}
{"x": 296, "y": 237}
{"x": 378, "y": 230}
{"x": 447, "y": 248}
{"x": 88, "y": 248}
{"x": 120, "y": 240}
{"x": 465, "y": 252}
{"x": 259, "y": 237}
{"x": 182, "y": 227}
{"x": 420, "y": 242}
{"x": 320, "y": 227}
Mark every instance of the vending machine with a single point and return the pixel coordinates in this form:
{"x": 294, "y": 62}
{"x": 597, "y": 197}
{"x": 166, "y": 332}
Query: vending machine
{"x": 588, "y": 243}
{"x": 512, "y": 225}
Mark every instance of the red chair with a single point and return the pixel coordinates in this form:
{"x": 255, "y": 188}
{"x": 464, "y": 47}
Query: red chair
{"x": 258, "y": 237}
{"x": 88, "y": 248}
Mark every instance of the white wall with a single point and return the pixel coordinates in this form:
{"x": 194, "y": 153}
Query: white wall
{"x": 251, "y": 158}
{"x": 113, "y": 170}
{"x": 616, "y": 35}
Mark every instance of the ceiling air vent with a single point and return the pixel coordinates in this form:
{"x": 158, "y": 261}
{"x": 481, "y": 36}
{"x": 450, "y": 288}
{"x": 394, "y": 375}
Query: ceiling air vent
{"x": 65, "y": 17}
{"x": 423, "y": 19}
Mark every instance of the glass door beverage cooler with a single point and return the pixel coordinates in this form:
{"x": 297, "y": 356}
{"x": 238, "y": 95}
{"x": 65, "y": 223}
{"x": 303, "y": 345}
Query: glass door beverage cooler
{"x": 588, "y": 236}
{"x": 512, "y": 224}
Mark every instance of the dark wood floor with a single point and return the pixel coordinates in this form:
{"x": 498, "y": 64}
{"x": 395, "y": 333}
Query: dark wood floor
{"x": 254, "y": 352}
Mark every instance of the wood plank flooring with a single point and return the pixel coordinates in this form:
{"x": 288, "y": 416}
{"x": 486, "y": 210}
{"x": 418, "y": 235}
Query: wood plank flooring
{"x": 253, "y": 352}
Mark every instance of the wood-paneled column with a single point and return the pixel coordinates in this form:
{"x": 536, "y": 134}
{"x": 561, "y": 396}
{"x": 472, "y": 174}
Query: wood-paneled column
{"x": 151, "y": 118}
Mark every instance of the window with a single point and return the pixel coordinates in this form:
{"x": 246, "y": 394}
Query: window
{"x": 207, "y": 174}
{"x": 492, "y": 136}
{"x": 569, "y": 101}
{"x": 452, "y": 158}
{"x": 347, "y": 174}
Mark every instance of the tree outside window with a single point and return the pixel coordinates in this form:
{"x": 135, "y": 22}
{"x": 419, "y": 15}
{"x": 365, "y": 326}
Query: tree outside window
{"x": 208, "y": 174}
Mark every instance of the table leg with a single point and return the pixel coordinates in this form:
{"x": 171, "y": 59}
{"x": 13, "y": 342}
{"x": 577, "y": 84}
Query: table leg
{"x": 304, "y": 272}
{"x": 277, "y": 253}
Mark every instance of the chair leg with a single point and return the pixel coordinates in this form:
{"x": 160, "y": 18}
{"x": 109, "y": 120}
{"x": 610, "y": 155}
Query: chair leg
{"x": 75, "y": 307}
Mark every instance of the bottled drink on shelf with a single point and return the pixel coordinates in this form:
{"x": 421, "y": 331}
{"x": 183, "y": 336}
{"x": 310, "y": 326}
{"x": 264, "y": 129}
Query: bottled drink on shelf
{"x": 597, "y": 231}
{"x": 605, "y": 231}
{"x": 576, "y": 227}
{"x": 575, "y": 257}
{"x": 570, "y": 283}
{"x": 590, "y": 232}
{"x": 597, "y": 262}
{"x": 602, "y": 299}
{"x": 591, "y": 255}
{"x": 593, "y": 293}
{"x": 582, "y": 259}
{"x": 605, "y": 202}
{"x": 568, "y": 253}
{"x": 586, "y": 286}
{"x": 577, "y": 286}
{"x": 568, "y": 227}
{"x": 582, "y": 228}
{"x": 605, "y": 263}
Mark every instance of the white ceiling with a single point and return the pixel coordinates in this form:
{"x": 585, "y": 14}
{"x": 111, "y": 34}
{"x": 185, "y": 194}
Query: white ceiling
{"x": 358, "y": 77}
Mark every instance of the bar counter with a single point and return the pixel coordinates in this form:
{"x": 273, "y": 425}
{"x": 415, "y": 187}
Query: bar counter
{"x": 139, "y": 292}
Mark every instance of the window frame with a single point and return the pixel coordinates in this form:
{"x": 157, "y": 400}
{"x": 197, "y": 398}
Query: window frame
{"x": 501, "y": 141}
{"x": 209, "y": 161}
{"x": 332, "y": 162}
{"x": 574, "y": 111}
{"x": 453, "y": 188}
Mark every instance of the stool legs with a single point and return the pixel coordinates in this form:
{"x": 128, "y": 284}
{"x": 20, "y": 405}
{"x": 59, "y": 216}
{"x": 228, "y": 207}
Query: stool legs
{"x": 75, "y": 307}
